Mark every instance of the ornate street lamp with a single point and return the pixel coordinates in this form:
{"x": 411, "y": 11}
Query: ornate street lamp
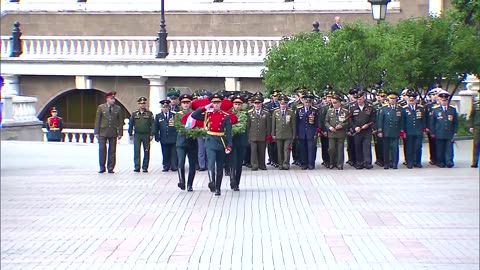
{"x": 379, "y": 9}
{"x": 162, "y": 50}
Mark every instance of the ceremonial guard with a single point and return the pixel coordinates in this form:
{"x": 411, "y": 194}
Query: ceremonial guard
{"x": 307, "y": 130}
{"x": 336, "y": 122}
{"x": 259, "y": 133}
{"x": 186, "y": 146}
{"x": 361, "y": 122}
{"x": 108, "y": 128}
{"x": 444, "y": 128}
{"x": 166, "y": 134}
{"x": 415, "y": 126}
{"x": 390, "y": 126}
{"x": 283, "y": 132}
{"x": 378, "y": 141}
{"x": 54, "y": 126}
{"x": 474, "y": 119}
{"x": 239, "y": 142}
{"x": 142, "y": 125}
{"x": 218, "y": 141}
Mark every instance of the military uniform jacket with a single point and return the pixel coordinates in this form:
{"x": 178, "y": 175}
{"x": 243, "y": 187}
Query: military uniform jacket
{"x": 141, "y": 123}
{"x": 108, "y": 123}
{"x": 474, "y": 117}
{"x": 323, "y": 116}
{"x": 54, "y": 123}
{"x": 333, "y": 119}
{"x": 240, "y": 139}
{"x": 217, "y": 122}
{"x": 258, "y": 125}
{"x": 444, "y": 123}
{"x": 182, "y": 140}
{"x": 283, "y": 124}
{"x": 429, "y": 112}
{"x": 390, "y": 121}
{"x": 359, "y": 117}
{"x": 415, "y": 120}
{"x": 307, "y": 122}
{"x": 166, "y": 132}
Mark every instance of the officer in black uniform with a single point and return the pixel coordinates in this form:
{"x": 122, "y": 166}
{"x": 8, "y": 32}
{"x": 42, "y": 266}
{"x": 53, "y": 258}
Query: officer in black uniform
{"x": 167, "y": 136}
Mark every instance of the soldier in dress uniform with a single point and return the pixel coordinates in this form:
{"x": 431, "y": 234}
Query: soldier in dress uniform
{"x": 378, "y": 141}
{"x": 307, "y": 131}
{"x": 259, "y": 125}
{"x": 186, "y": 147}
{"x": 295, "y": 146}
{"x": 218, "y": 140}
{"x": 283, "y": 132}
{"x": 271, "y": 106}
{"x": 415, "y": 126}
{"x": 361, "y": 122}
{"x": 432, "y": 101}
{"x": 142, "y": 125}
{"x": 54, "y": 126}
{"x": 350, "y": 139}
{"x": 108, "y": 128}
{"x": 166, "y": 134}
{"x": 239, "y": 142}
{"x": 390, "y": 124}
{"x": 173, "y": 96}
{"x": 326, "y": 105}
{"x": 336, "y": 122}
{"x": 474, "y": 120}
{"x": 444, "y": 128}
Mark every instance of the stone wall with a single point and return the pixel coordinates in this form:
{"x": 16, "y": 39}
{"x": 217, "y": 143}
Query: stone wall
{"x": 192, "y": 24}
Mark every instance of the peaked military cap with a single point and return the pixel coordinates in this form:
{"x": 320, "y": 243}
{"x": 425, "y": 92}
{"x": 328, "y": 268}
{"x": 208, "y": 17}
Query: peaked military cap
{"x": 358, "y": 94}
{"x": 392, "y": 94}
{"x": 283, "y": 98}
{"x": 173, "y": 94}
{"x": 185, "y": 98}
{"x": 412, "y": 93}
{"x": 165, "y": 102}
{"x": 53, "y": 109}
{"x": 443, "y": 94}
{"x": 217, "y": 97}
{"x": 111, "y": 94}
{"x": 257, "y": 98}
{"x": 237, "y": 99}
{"x": 381, "y": 92}
{"x": 142, "y": 100}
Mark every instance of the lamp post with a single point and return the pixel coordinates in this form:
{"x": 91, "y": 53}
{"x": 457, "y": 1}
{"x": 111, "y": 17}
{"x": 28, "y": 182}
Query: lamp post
{"x": 379, "y": 9}
{"x": 162, "y": 50}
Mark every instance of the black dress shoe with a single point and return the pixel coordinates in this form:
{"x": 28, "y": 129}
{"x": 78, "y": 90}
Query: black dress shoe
{"x": 181, "y": 186}
{"x": 304, "y": 168}
{"x": 386, "y": 167}
{"x": 441, "y": 165}
{"x": 310, "y": 167}
{"x": 254, "y": 169}
{"x": 111, "y": 171}
{"x": 473, "y": 166}
{"x": 101, "y": 171}
{"x": 410, "y": 166}
{"x": 405, "y": 163}
{"x": 450, "y": 165}
{"x": 236, "y": 189}
{"x": 263, "y": 169}
{"x": 417, "y": 165}
{"x": 340, "y": 168}
{"x": 202, "y": 169}
{"x": 136, "y": 170}
{"x": 173, "y": 170}
{"x": 144, "y": 170}
{"x": 395, "y": 167}
{"x": 432, "y": 162}
{"x": 368, "y": 166}
{"x": 211, "y": 186}
{"x": 165, "y": 170}
{"x": 217, "y": 192}
{"x": 189, "y": 188}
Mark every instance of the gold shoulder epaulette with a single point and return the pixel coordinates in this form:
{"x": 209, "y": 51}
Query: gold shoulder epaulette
{"x": 315, "y": 108}
{"x": 420, "y": 105}
{"x": 436, "y": 106}
{"x": 405, "y": 106}
{"x": 251, "y": 110}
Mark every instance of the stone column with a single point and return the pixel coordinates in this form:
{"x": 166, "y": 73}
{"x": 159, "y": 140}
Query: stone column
{"x": 158, "y": 92}
{"x": 12, "y": 85}
{"x": 232, "y": 84}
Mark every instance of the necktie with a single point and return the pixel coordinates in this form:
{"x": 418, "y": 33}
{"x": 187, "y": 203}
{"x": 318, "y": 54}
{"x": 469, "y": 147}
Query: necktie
{"x": 110, "y": 109}
{"x": 166, "y": 116}
{"x": 336, "y": 112}
{"x": 283, "y": 112}
{"x": 444, "y": 108}
{"x": 258, "y": 112}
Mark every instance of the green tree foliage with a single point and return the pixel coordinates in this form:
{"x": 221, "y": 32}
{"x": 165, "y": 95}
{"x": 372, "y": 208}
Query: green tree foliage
{"x": 467, "y": 11}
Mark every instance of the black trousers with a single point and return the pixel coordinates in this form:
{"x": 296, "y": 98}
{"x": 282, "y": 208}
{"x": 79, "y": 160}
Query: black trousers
{"x": 351, "y": 149}
{"x": 379, "y": 149}
{"x": 192, "y": 153}
{"x": 102, "y": 152}
{"x": 169, "y": 156}
{"x": 236, "y": 158}
{"x": 363, "y": 147}
{"x": 325, "y": 155}
{"x": 216, "y": 159}
{"x": 432, "y": 149}
{"x": 272, "y": 152}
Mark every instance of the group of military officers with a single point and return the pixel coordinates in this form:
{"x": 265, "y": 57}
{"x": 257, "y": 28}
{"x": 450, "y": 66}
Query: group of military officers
{"x": 286, "y": 127}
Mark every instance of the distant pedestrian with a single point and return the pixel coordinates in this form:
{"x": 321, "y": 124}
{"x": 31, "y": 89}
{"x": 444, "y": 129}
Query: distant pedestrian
{"x": 142, "y": 128}
{"x": 108, "y": 129}
{"x": 54, "y": 126}
{"x": 336, "y": 25}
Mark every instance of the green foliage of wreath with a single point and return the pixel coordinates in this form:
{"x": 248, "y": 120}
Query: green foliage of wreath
{"x": 189, "y": 133}
{"x": 241, "y": 125}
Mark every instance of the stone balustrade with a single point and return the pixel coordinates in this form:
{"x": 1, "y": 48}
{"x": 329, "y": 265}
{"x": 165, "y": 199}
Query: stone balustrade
{"x": 19, "y": 109}
{"x": 138, "y": 48}
{"x": 77, "y": 135}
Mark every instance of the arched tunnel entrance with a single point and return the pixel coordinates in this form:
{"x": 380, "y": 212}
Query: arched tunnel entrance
{"x": 78, "y": 108}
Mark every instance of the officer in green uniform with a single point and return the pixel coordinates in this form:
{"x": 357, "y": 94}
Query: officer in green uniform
{"x": 186, "y": 147}
{"x": 390, "y": 125}
{"x": 444, "y": 128}
{"x": 258, "y": 129}
{"x": 142, "y": 129}
{"x": 239, "y": 142}
{"x": 283, "y": 131}
{"x": 173, "y": 96}
{"x": 336, "y": 122}
{"x": 474, "y": 119}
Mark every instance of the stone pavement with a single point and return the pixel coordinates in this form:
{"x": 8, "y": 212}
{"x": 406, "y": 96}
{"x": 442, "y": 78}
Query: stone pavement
{"x": 57, "y": 212}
